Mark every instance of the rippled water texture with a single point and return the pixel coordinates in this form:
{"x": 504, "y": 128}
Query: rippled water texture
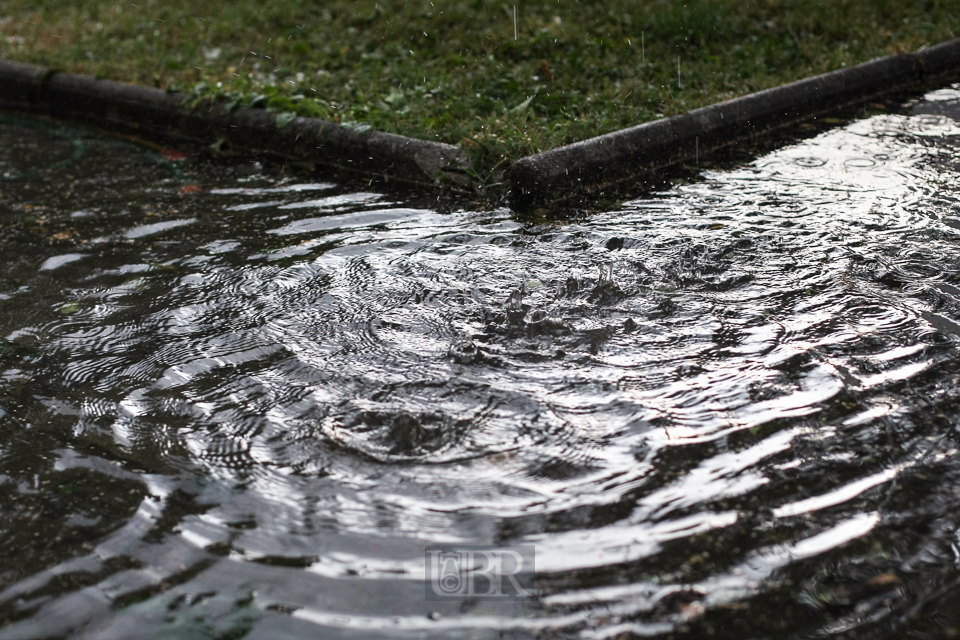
{"x": 237, "y": 403}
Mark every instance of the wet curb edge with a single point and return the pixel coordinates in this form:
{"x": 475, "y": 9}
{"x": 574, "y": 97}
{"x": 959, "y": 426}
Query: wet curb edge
{"x": 583, "y": 170}
{"x": 154, "y": 113}
{"x": 567, "y": 175}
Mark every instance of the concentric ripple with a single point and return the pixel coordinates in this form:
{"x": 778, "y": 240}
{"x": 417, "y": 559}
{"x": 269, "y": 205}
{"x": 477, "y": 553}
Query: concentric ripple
{"x": 244, "y": 408}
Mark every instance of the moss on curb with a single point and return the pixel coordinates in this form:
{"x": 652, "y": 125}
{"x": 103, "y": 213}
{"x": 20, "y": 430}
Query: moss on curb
{"x": 453, "y": 72}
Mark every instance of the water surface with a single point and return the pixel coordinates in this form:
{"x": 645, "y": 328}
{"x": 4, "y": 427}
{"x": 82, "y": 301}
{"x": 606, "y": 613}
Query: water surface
{"x": 239, "y": 403}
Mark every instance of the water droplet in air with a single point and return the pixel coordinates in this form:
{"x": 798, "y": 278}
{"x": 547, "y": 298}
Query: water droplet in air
{"x": 515, "y": 301}
{"x": 606, "y": 273}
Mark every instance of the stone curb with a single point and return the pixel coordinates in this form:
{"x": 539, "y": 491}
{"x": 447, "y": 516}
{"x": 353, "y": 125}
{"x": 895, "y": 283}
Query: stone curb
{"x": 584, "y": 169}
{"x": 155, "y": 113}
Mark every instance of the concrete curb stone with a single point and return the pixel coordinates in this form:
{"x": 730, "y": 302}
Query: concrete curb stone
{"x": 569, "y": 174}
{"x": 583, "y": 170}
{"x": 155, "y": 113}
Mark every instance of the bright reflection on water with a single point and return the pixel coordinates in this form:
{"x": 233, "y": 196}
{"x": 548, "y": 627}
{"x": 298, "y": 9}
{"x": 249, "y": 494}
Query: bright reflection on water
{"x": 729, "y": 409}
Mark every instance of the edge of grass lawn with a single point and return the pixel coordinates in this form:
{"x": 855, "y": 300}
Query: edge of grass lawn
{"x": 465, "y": 72}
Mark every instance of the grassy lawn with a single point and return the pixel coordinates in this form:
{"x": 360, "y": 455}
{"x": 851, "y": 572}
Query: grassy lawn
{"x": 465, "y": 71}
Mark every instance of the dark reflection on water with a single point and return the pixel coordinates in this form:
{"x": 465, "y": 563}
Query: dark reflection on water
{"x": 727, "y": 410}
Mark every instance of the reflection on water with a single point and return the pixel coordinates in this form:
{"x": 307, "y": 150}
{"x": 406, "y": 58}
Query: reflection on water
{"x": 244, "y": 407}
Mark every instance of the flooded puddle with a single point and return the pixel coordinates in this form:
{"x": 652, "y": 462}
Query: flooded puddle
{"x": 234, "y": 404}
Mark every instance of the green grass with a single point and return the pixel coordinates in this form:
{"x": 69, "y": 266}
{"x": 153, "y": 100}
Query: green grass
{"x": 452, "y": 71}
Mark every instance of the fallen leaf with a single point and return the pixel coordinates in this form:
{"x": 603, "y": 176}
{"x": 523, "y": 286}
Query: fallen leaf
{"x": 884, "y": 579}
{"x": 172, "y": 154}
